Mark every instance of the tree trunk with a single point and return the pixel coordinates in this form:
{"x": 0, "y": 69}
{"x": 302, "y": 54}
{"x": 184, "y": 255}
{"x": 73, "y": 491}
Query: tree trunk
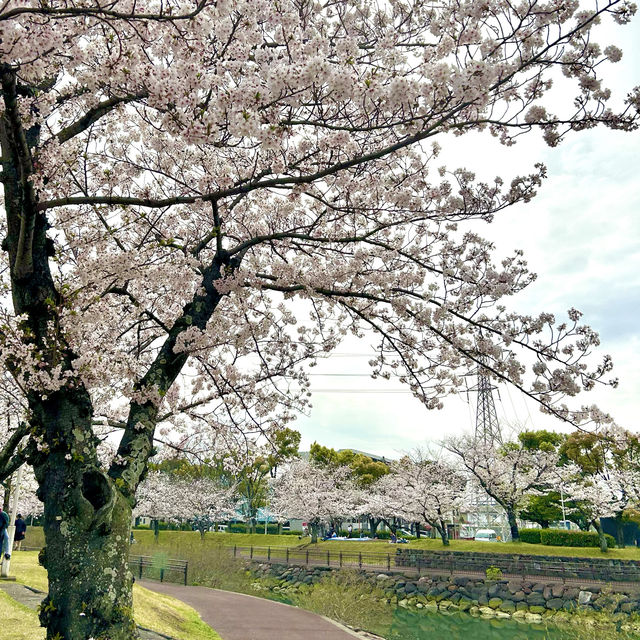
{"x": 545, "y": 524}
{"x": 442, "y": 530}
{"x": 7, "y": 496}
{"x": 87, "y": 524}
{"x": 156, "y": 529}
{"x": 513, "y": 525}
{"x": 314, "y": 532}
{"x": 603, "y": 541}
{"x": 620, "y": 530}
{"x": 418, "y": 530}
{"x": 373, "y": 526}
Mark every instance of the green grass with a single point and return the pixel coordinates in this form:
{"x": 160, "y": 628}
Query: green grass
{"x": 17, "y": 621}
{"x": 179, "y": 540}
{"x": 383, "y": 546}
{"x": 151, "y": 610}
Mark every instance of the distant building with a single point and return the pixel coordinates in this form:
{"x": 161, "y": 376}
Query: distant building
{"x": 373, "y": 456}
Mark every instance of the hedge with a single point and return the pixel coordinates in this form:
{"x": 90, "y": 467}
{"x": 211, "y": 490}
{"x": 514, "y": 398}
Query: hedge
{"x": 564, "y": 538}
{"x": 532, "y": 536}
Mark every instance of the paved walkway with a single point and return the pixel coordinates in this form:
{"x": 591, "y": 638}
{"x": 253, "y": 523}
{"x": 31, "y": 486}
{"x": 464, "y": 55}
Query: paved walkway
{"x": 236, "y": 616}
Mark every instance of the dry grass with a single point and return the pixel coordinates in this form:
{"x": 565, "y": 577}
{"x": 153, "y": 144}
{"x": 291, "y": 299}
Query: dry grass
{"x": 151, "y": 610}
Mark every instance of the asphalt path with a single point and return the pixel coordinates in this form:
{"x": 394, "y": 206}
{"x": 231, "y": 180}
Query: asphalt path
{"x": 236, "y": 616}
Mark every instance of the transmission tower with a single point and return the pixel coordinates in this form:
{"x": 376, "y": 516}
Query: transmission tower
{"x": 487, "y": 427}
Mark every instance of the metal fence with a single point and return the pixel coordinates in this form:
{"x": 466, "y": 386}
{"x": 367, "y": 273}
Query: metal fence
{"x": 523, "y": 567}
{"x": 159, "y": 568}
{"x": 316, "y": 557}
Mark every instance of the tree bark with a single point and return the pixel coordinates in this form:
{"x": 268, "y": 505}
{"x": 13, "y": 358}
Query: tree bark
{"x": 314, "y": 532}
{"x": 87, "y": 524}
{"x": 7, "y": 496}
{"x": 441, "y": 527}
{"x": 513, "y": 525}
{"x": 620, "y": 531}
{"x": 603, "y": 541}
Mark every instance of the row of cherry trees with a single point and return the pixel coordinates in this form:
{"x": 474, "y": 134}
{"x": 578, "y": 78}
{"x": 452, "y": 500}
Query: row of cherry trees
{"x": 176, "y": 173}
{"x": 598, "y": 476}
{"x": 415, "y": 489}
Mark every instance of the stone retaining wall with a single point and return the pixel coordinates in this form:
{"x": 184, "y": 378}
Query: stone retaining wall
{"x": 601, "y": 569}
{"x": 530, "y": 600}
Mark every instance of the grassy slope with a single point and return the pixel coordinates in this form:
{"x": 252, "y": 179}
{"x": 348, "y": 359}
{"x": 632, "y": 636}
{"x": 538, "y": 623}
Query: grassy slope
{"x": 187, "y": 544}
{"x": 152, "y": 610}
{"x": 17, "y": 621}
{"x": 382, "y": 546}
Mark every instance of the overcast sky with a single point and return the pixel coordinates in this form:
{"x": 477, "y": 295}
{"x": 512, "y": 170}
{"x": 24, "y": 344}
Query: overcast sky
{"x": 581, "y": 235}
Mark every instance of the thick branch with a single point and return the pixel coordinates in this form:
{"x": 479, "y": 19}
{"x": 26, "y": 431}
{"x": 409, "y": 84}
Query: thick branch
{"x": 93, "y": 115}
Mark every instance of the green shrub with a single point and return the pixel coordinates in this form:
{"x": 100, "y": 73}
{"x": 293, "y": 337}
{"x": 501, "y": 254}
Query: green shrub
{"x": 493, "y": 573}
{"x": 565, "y": 538}
{"x": 532, "y": 536}
{"x": 347, "y": 597}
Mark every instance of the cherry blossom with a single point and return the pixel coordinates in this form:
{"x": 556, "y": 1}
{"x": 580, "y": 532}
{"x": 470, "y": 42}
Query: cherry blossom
{"x": 202, "y": 198}
{"x": 507, "y": 473}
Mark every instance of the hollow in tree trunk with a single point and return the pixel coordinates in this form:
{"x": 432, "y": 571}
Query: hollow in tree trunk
{"x": 87, "y": 523}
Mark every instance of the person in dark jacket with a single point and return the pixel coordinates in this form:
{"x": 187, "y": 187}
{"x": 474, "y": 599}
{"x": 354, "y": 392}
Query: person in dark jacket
{"x": 4, "y": 534}
{"x": 21, "y": 529}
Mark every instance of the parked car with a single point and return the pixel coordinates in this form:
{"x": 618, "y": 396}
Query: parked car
{"x": 486, "y": 535}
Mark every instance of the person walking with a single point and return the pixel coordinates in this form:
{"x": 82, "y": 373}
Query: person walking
{"x": 21, "y": 530}
{"x": 350, "y": 530}
{"x": 4, "y": 534}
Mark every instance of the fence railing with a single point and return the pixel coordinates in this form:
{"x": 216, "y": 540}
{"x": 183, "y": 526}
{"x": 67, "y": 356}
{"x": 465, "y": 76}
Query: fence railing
{"x": 435, "y": 563}
{"x": 159, "y": 568}
{"x": 313, "y": 557}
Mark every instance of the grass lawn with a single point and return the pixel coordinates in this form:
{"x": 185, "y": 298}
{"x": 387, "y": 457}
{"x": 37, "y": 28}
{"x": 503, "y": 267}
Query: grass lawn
{"x": 151, "y": 610}
{"x": 383, "y": 546}
{"x": 191, "y": 539}
{"x": 187, "y": 545}
{"x": 17, "y": 621}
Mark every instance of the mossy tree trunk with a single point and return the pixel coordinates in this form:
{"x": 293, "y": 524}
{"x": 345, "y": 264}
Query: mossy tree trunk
{"x": 513, "y": 525}
{"x": 87, "y": 511}
{"x": 620, "y": 530}
{"x": 603, "y": 540}
{"x": 441, "y": 527}
{"x": 87, "y": 523}
{"x": 314, "y": 532}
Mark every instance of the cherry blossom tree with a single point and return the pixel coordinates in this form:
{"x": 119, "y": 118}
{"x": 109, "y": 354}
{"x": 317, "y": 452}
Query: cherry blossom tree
{"x": 176, "y": 173}
{"x": 507, "y": 473}
{"x": 610, "y": 455}
{"x": 384, "y": 500}
{"x": 314, "y": 494}
{"x": 434, "y": 492}
{"x": 603, "y": 478}
{"x": 202, "y": 501}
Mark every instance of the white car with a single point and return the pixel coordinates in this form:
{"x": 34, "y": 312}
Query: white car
{"x": 486, "y": 535}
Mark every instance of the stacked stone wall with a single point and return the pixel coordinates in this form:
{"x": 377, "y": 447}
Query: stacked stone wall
{"x": 517, "y": 598}
{"x": 566, "y": 567}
